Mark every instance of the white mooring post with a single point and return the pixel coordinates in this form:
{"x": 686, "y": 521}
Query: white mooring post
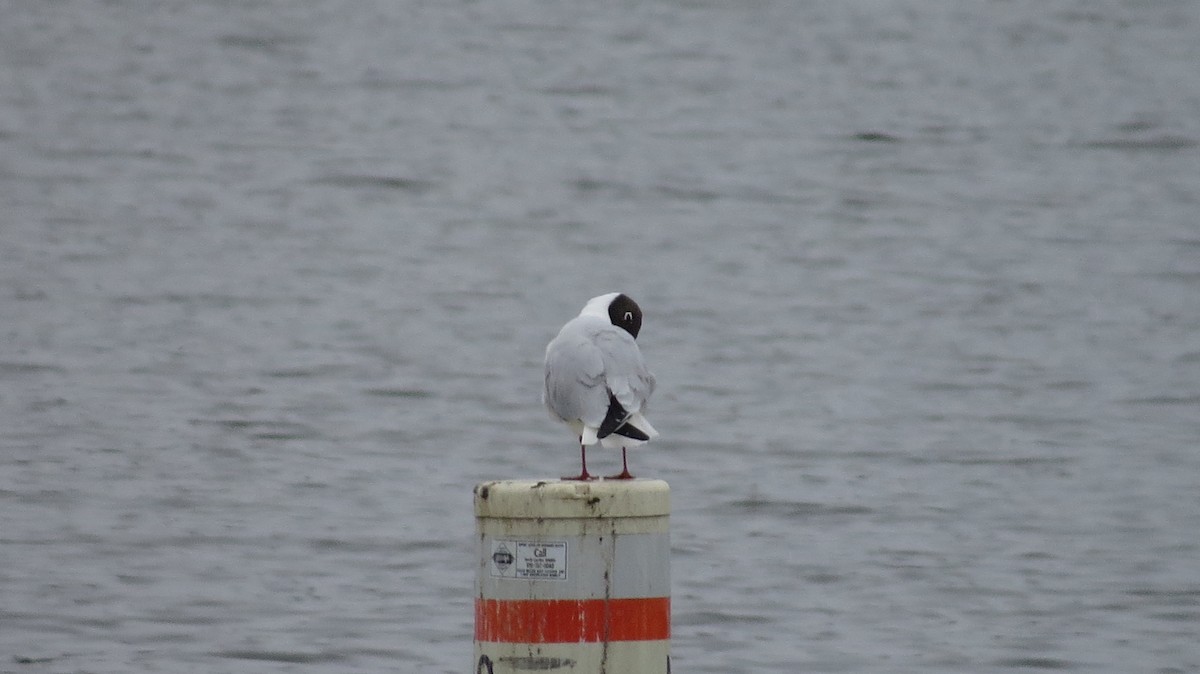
{"x": 573, "y": 577}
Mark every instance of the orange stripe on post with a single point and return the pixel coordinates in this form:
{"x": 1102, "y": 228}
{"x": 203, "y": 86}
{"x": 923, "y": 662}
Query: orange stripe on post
{"x": 556, "y": 621}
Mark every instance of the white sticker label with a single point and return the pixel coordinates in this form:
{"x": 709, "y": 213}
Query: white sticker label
{"x": 529, "y": 560}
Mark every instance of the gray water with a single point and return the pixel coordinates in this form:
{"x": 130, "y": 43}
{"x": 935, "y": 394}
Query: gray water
{"x": 921, "y": 283}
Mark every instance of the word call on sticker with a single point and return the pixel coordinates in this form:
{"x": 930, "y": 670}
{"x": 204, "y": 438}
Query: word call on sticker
{"x": 529, "y": 560}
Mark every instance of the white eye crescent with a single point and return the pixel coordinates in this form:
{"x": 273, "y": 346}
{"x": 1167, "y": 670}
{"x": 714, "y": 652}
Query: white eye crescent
{"x": 629, "y": 315}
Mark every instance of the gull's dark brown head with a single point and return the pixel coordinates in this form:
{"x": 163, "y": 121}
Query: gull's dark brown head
{"x": 626, "y": 314}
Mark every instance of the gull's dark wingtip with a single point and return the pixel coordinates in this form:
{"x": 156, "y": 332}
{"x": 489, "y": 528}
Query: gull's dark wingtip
{"x": 632, "y": 432}
{"x": 614, "y": 422}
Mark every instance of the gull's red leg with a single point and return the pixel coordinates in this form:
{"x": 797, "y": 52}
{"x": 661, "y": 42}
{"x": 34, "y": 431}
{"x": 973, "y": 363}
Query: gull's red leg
{"x": 625, "y": 474}
{"x": 583, "y": 474}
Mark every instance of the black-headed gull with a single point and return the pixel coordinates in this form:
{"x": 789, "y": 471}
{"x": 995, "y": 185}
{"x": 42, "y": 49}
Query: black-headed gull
{"x": 596, "y": 381}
